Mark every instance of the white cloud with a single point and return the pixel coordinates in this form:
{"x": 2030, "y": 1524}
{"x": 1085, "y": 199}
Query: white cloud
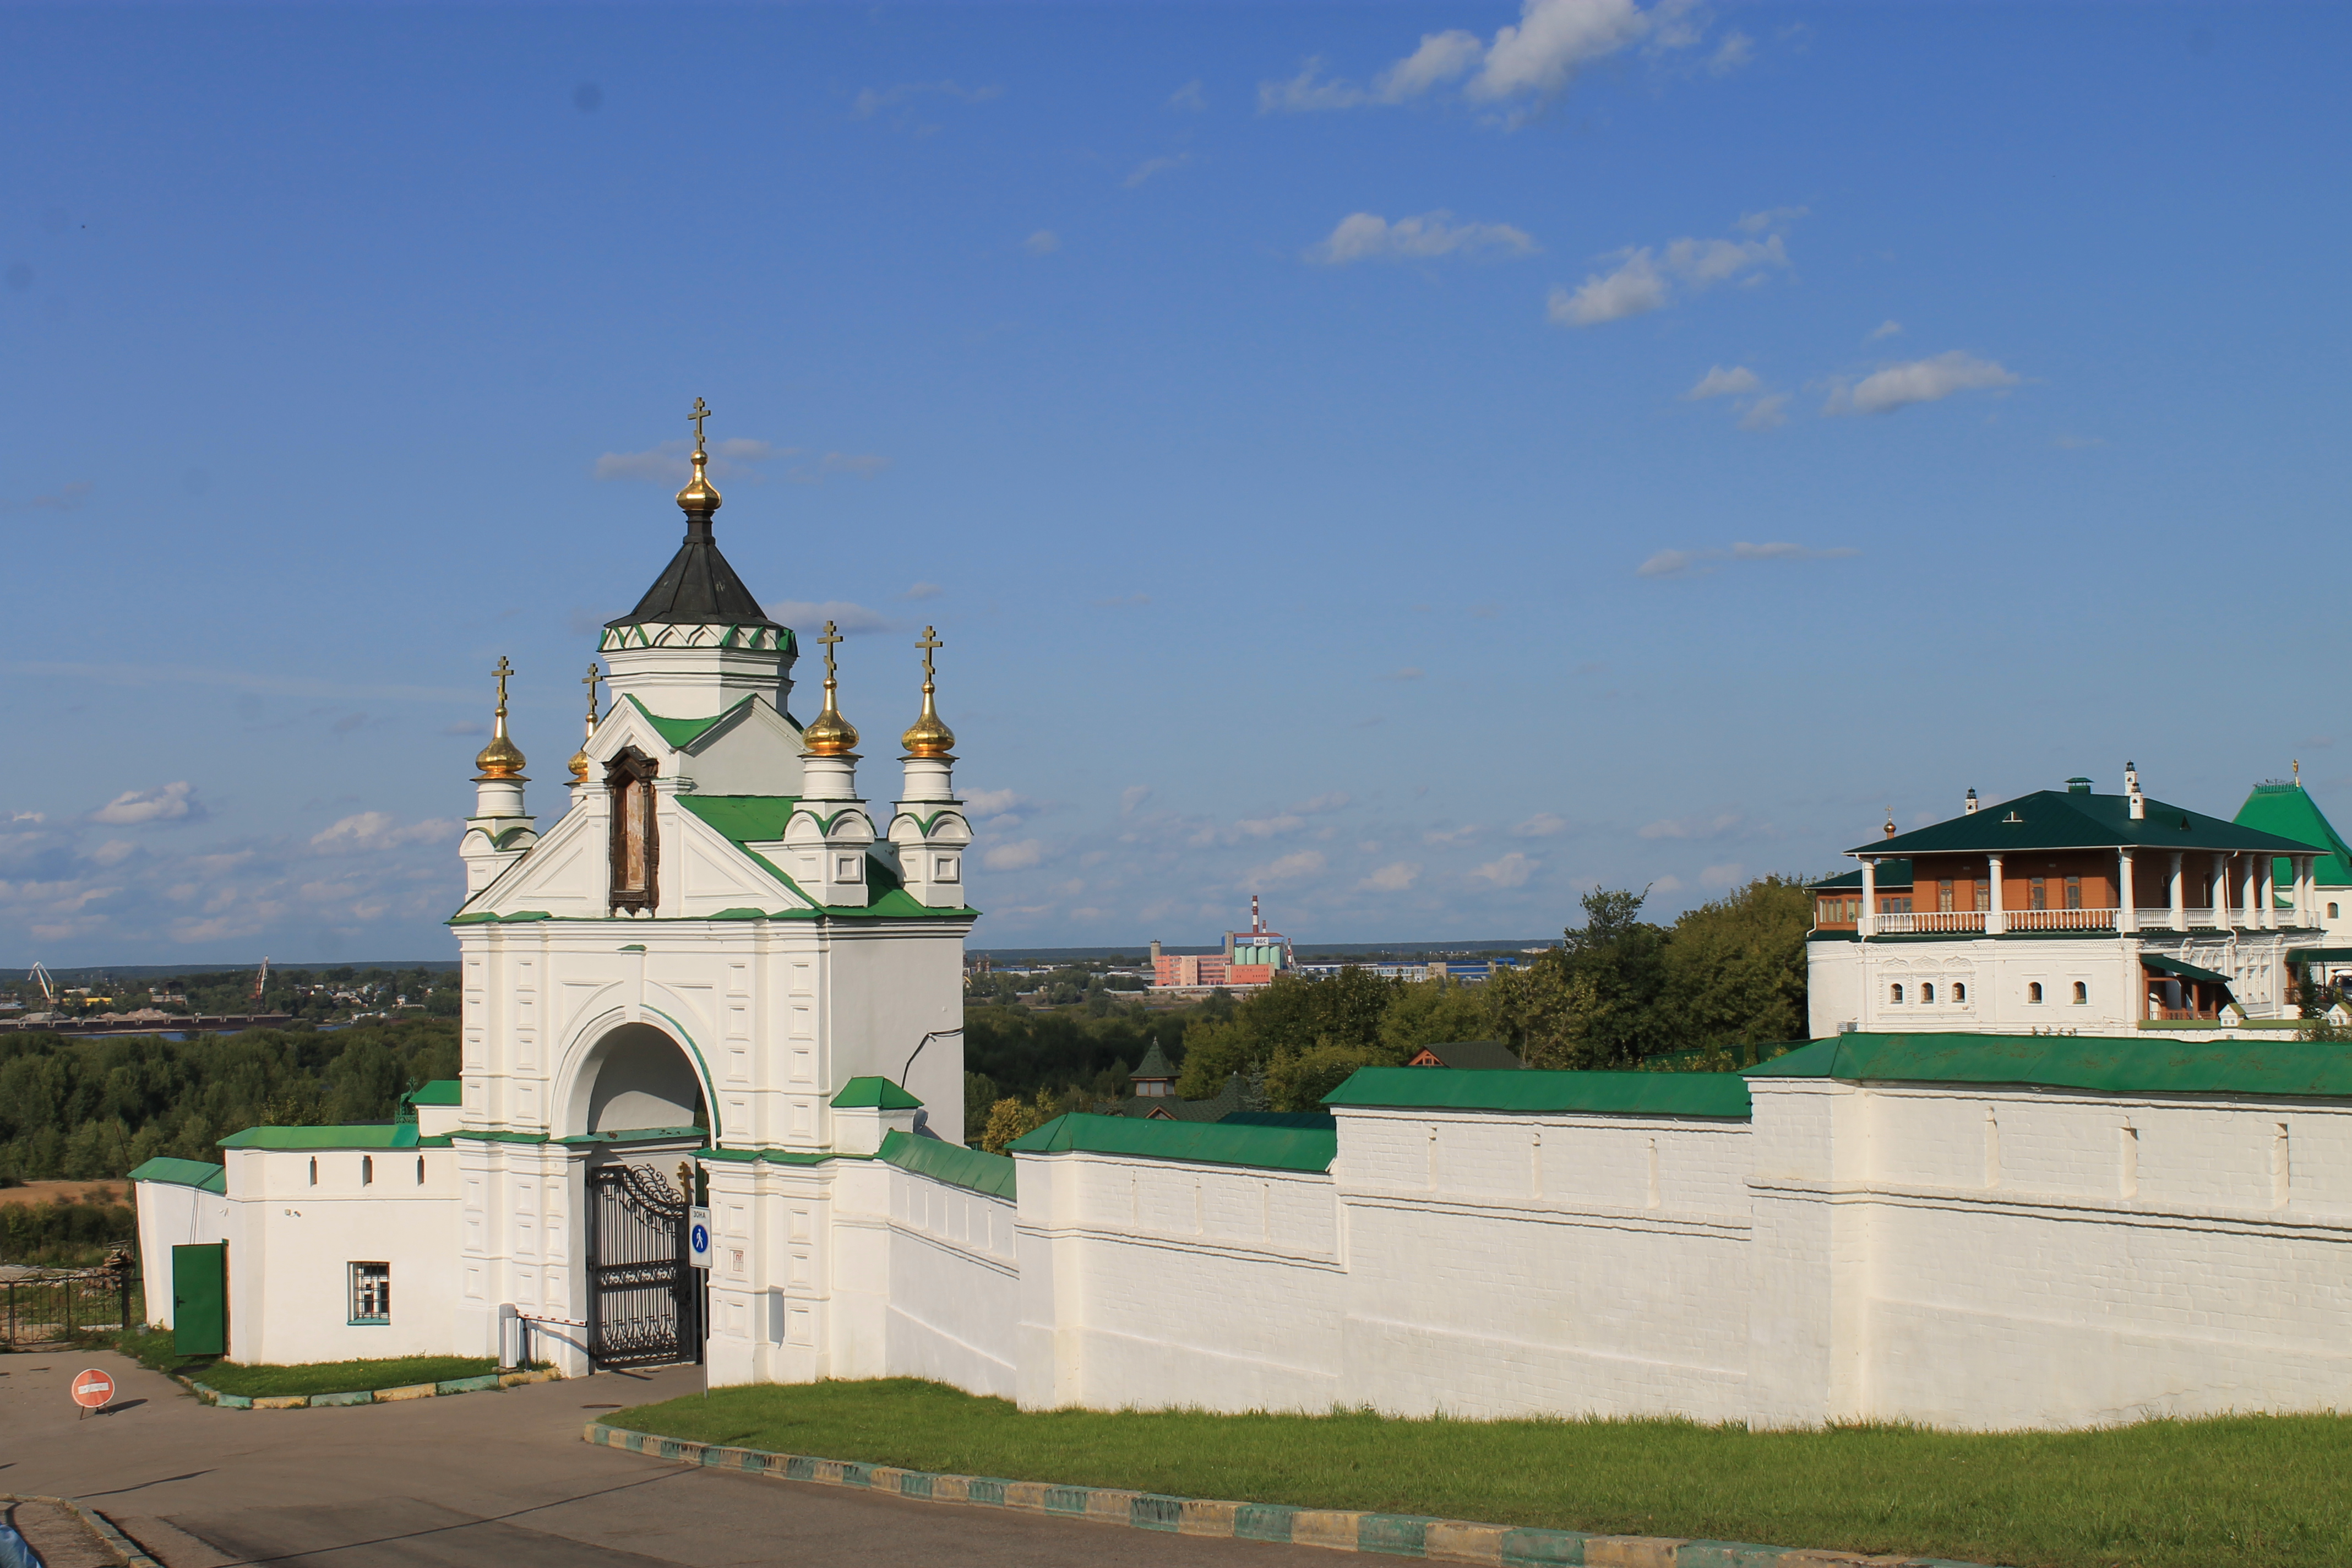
{"x": 923, "y": 591}
{"x": 1329, "y": 801}
{"x": 1735, "y": 50}
{"x": 1766, "y": 413}
{"x": 1542, "y": 824}
{"x": 1045, "y": 242}
{"x": 1693, "y": 562}
{"x": 991, "y": 802}
{"x": 1268, "y": 827}
{"x": 1919, "y": 381}
{"x": 1018, "y": 855}
{"x": 1721, "y": 876}
{"x": 1367, "y": 237}
{"x": 874, "y": 99}
{"x": 29, "y": 816}
{"x": 849, "y": 619}
{"x": 171, "y": 803}
{"x": 1461, "y": 834}
{"x": 1720, "y": 382}
{"x": 1634, "y": 289}
{"x": 1188, "y": 96}
{"x": 1289, "y": 869}
{"x": 1886, "y": 329}
{"x": 1442, "y": 58}
{"x": 113, "y": 852}
{"x": 1511, "y": 871}
{"x": 1768, "y": 219}
{"x": 1151, "y": 166}
{"x": 1132, "y": 796}
{"x": 380, "y": 830}
{"x": 1553, "y": 37}
{"x": 1643, "y": 277}
{"x": 1392, "y": 879}
{"x": 1694, "y": 827}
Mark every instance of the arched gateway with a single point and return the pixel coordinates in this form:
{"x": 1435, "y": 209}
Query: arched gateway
{"x": 638, "y": 1090}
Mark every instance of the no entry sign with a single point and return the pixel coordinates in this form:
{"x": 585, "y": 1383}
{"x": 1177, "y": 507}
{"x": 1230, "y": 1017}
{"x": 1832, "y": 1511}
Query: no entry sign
{"x": 92, "y": 1390}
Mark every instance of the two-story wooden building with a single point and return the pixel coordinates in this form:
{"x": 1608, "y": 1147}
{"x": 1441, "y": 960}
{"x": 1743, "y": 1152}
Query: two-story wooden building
{"x": 2065, "y": 912}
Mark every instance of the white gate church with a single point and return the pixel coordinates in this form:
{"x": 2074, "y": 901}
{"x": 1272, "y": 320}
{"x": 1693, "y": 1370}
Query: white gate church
{"x": 713, "y": 960}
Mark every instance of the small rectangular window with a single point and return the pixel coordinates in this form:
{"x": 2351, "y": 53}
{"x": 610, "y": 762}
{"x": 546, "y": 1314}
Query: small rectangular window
{"x": 2039, "y": 897}
{"x": 1944, "y": 898}
{"x": 371, "y": 1292}
{"x": 1984, "y": 893}
{"x": 2073, "y": 892}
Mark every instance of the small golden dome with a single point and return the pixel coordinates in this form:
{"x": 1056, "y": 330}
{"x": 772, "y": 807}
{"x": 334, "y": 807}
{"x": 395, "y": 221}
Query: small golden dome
{"x": 501, "y": 759}
{"x": 829, "y": 734}
{"x": 698, "y": 495}
{"x": 927, "y": 736}
{"x": 579, "y": 765}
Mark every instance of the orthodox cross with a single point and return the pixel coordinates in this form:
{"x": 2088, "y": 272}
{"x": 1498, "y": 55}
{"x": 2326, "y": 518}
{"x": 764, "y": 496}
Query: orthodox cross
{"x": 502, "y": 671}
{"x": 700, "y": 413}
{"x": 590, "y": 680}
{"x": 828, "y": 639}
{"x": 931, "y": 640}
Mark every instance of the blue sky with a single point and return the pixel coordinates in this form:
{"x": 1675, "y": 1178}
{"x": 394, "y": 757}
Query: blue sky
{"x": 1416, "y": 462}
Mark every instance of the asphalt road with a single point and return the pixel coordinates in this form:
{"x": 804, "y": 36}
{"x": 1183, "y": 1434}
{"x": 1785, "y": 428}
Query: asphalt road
{"x": 497, "y": 1481}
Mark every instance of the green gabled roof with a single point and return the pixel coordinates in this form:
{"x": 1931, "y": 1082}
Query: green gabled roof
{"x": 1155, "y": 1063}
{"x": 1194, "y": 1143}
{"x": 2289, "y": 810}
{"x": 1604, "y": 1093}
{"x": 748, "y": 819}
{"x": 1896, "y": 873}
{"x": 872, "y": 1093}
{"x": 440, "y": 1091}
{"x": 2173, "y": 967}
{"x": 379, "y": 1135}
{"x": 196, "y": 1173}
{"x": 681, "y": 732}
{"x": 975, "y": 1169}
{"x": 2061, "y": 819}
{"x": 2278, "y": 1069}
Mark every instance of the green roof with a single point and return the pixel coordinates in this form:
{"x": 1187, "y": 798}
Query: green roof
{"x": 2289, "y": 810}
{"x": 1155, "y": 1063}
{"x": 184, "y": 1174}
{"x": 681, "y": 732}
{"x": 1194, "y": 1143}
{"x": 2272, "y": 1069}
{"x": 378, "y": 1135}
{"x": 2061, "y": 819}
{"x": 748, "y": 819}
{"x": 1605, "y": 1093}
{"x": 2163, "y": 965}
{"x": 1896, "y": 873}
{"x": 869, "y": 1093}
{"x": 958, "y": 1167}
{"x": 1476, "y": 1056}
{"x": 440, "y": 1091}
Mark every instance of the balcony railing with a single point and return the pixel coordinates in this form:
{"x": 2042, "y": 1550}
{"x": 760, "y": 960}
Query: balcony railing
{"x": 1966, "y": 921}
{"x": 2062, "y": 919}
{"x": 1931, "y": 921}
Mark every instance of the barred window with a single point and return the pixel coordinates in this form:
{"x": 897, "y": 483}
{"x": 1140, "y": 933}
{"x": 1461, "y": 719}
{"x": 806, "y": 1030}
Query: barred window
{"x": 371, "y": 1292}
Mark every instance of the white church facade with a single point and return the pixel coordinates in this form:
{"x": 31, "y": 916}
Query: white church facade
{"x": 724, "y": 977}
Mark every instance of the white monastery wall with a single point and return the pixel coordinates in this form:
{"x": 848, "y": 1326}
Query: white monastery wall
{"x": 300, "y": 1240}
{"x": 173, "y": 1215}
{"x": 954, "y": 1285}
{"x": 1152, "y": 1283}
{"x": 1503, "y": 1265}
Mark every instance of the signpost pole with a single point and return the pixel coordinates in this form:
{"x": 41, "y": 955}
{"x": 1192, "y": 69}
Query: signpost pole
{"x": 697, "y": 1241}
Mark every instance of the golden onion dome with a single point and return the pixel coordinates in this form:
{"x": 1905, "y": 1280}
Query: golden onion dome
{"x": 501, "y": 759}
{"x": 578, "y": 765}
{"x": 829, "y": 734}
{"x": 698, "y": 495}
{"x": 927, "y": 736}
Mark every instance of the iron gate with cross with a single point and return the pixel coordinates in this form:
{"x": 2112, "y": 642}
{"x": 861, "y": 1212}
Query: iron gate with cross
{"x": 644, "y": 1301}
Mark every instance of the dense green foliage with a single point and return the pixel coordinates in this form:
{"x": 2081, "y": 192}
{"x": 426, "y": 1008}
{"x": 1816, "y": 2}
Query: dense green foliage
{"x": 2235, "y": 1492}
{"x": 85, "y": 1109}
{"x": 67, "y": 1230}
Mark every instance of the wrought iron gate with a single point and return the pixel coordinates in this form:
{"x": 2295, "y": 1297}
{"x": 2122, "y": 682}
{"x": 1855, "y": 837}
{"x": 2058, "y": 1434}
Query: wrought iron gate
{"x": 643, "y": 1302}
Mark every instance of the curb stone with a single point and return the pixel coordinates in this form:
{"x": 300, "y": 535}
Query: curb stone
{"x": 1339, "y": 1530}
{"x": 486, "y": 1382}
{"x": 125, "y": 1550}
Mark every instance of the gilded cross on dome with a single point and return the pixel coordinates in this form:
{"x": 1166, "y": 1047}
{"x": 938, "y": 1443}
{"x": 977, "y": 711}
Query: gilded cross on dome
{"x": 700, "y": 413}
{"x": 503, "y": 670}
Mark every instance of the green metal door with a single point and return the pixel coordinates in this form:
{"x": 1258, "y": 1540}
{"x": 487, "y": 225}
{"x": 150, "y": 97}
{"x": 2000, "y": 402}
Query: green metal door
{"x": 200, "y": 1299}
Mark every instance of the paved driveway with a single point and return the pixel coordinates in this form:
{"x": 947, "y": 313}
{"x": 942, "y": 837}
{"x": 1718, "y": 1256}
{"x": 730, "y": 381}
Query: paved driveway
{"x": 499, "y": 1480}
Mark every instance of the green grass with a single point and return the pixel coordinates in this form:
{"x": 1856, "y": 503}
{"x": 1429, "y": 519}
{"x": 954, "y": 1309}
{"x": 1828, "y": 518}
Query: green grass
{"x": 2233, "y": 1492}
{"x": 153, "y": 1348}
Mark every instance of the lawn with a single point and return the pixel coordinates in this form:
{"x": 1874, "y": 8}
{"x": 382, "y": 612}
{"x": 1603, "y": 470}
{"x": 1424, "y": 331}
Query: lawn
{"x": 153, "y": 1348}
{"x": 2236, "y": 1492}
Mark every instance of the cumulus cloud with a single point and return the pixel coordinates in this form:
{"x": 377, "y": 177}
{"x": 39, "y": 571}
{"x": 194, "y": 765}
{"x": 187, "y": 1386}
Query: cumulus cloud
{"x": 1766, "y": 413}
{"x": 1290, "y": 867}
{"x": 376, "y": 830}
{"x": 1151, "y": 166}
{"x": 1720, "y": 382}
{"x": 1460, "y": 834}
{"x": 170, "y": 803}
{"x": 1542, "y": 824}
{"x": 1919, "y": 381}
{"x": 1045, "y": 242}
{"x": 1188, "y": 96}
{"x": 1696, "y": 563}
{"x": 872, "y": 100}
{"x": 994, "y": 801}
{"x": 1886, "y": 329}
{"x": 1641, "y": 277}
{"x": 849, "y": 619}
{"x": 1367, "y": 237}
{"x": 1018, "y": 855}
{"x": 1510, "y": 871}
{"x": 923, "y": 591}
{"x": 1529, "y": 60}
{"x": 1269, "y": 826}
{"x": 1392, "y": 879}
{"x": 1131, "y": 797}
